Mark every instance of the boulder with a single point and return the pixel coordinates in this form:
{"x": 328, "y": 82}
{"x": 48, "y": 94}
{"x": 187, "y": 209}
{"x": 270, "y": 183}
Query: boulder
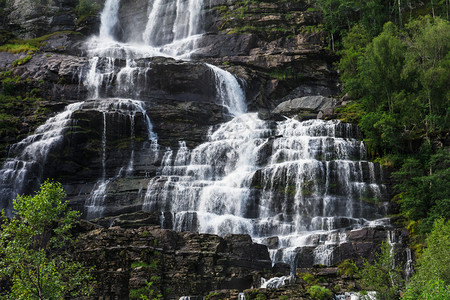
{"x": 313, "y": 105}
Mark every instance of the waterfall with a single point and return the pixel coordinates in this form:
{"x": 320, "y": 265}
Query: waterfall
{"x": 229, "y": 91}
{"x": 302, "y": 182}
{"x": 294, "y": 186}
{"x": 109, "y": 19}
{"x": 172, "y": 30}
{"x": 114, "y": 108}
{"x": 23, "y": 173}
{"x": 276, "y": 282}
{"x": 174, "y": 26}
{"x": 409, "y": 266}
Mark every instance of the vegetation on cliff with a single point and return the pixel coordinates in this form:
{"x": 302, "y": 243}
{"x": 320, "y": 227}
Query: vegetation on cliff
{"x": 35, "y": 256}
{"x": 395, "y": 66}
{"x": 432, "y": 277}
{"x": 398, "y": 73}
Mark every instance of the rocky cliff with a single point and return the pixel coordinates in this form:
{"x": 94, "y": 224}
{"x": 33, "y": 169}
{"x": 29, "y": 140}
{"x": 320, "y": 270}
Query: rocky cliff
{"x": 131, "y": 250}
{"x": 277, "y": 48}
{"x": 125, "y": 132}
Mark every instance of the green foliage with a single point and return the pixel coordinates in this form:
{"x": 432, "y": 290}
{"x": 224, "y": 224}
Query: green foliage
{"x": 428, "y": 64}
{"x": 260, "y": 297}
{"x": 347, "y": 268}
{"x": 309, "y": 278}
{"x": 319, "y": 292}
{"x": 87, "y": 7}
{"x": 351, "y": 113}
{"x": 382, "y": 276}
{"x": 401, "y": 80}
{"x": 211, "y": 295}
{"x": 354, "y": 43}
{"x": 33, "y": 247}
{"x": 137, "y": 264}
{"x": 423, "y": 185}
{"x": 380, "y": 69}
{"x": 145, "y": 293}
{"x": 341, "y": 15}
{"x": 432, "y": 273}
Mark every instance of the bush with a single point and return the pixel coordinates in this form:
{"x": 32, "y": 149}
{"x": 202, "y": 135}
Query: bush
{"x": 308, "y": 278}
{"x": 347, "y": 268}
{"x": 432, "y": 277}
{"x": 382, "y": 276}
{"x": 318, "y": 292}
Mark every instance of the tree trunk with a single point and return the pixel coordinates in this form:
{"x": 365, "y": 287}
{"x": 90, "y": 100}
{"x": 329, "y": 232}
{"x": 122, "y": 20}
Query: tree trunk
{"x": 432, "y": 9}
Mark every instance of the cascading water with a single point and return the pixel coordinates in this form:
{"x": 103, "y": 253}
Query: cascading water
{"x": 114, "y": 108}
{"x": 23, "y": 173}
{"x": 300, "y": 182}
{"x": 229, "y": 91}
{"x": 172, "y": 30}
{"x": 288, "y": 184}
{"x": 176, "y": 38}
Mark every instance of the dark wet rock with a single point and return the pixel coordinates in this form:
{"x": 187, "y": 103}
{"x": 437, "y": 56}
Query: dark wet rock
{"x": 31, "y": 19}
{"x": 186, "y": 263}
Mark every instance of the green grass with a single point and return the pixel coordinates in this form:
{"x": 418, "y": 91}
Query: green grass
{"x": 17, "y": 48}
{"x": 21, "y": 46}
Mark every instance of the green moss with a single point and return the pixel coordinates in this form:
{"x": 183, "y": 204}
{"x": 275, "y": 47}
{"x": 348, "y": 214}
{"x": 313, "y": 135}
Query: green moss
{"x": 318, "y": 292}
{"x": 211, "y": 295}
{"x": 260, "y": 297}
{"x": 22, "y": 61}
{"x": 284, "y": 74}
{"x": 138, "y": 264}
{"x": 87, "y": 7}
{"x": 145, "y": 293}
{"x": 21, "y": 46}
{"x": 137, "y": 293}
{"x": 290, "y": 189}
{"x": 308, "y": 278}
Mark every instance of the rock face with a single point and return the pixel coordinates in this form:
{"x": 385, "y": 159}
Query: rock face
{"x": 31, "y": 19}
{"x": 309, "y": 106}
{"x": 178, "y": 263}
{"x": 131, "y": 250}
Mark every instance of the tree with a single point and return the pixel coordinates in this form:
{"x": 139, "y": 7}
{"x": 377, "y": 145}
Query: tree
{"x": 432, "y": 277}
{"x": 425, "y": 197}
{"x": 354, "y": 44}
{"x": 34, "y": 246}
{"x": 380, "y": 69}
{"x": 428, "y": 61}
{"x": 382, "y": 276}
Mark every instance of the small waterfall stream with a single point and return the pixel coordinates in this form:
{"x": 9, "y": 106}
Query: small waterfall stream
{"x": 23, "y": 173}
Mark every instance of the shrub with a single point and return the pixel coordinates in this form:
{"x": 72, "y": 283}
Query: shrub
{"x": 318, "y": 292}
